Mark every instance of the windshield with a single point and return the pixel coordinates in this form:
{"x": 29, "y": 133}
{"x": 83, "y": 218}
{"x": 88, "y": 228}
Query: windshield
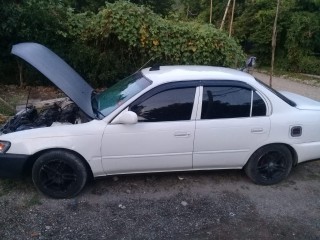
{"x": 121, "y": 92}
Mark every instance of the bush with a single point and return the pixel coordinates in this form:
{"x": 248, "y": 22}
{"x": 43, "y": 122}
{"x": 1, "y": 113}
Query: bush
{"x": 134, "y": 34}
{"x": 111, "y": 44}
{"x": 310, "y": 65}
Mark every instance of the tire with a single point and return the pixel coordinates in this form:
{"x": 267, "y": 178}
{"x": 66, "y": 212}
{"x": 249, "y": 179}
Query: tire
{"x": 269, "y": 164}
{"x": 59, "y": 174}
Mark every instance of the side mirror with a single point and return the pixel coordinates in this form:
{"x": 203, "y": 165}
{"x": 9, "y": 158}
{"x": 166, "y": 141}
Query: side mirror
{"x": 126, "y": 117}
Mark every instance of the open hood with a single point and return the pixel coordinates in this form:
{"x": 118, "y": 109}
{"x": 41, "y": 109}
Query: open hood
{"x": 58, "y": 72}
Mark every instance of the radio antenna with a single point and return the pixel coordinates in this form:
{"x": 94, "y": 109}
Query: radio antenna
{"x": 145, "y": 64}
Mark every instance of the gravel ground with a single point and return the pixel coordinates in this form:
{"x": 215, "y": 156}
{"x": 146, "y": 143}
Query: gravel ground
{"x": 197, "y": 205}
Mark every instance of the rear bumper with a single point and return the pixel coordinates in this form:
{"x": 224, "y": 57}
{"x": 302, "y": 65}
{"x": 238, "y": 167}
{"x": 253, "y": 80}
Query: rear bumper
{"x": 307, "y": 151}
{"x": 12, "y": 165}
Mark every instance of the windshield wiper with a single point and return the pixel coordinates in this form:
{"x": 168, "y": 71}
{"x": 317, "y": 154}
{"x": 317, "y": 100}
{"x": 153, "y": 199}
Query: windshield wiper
{"x": 98, "y": 113}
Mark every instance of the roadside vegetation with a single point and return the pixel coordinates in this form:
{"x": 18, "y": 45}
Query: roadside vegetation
{"x": 107, "y": 41}
{"x": 111, "y": 42}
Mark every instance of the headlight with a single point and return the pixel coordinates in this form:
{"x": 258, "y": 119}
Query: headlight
{"x": 4, "y": 146}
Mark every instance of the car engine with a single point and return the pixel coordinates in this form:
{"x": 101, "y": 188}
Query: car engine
{"x": 45, "y": 114}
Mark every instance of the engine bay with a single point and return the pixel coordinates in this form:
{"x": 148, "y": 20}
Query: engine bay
{"x": 48, "y": 113}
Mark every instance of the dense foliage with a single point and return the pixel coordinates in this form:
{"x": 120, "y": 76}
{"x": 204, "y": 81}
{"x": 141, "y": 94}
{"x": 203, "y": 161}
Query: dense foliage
{"x": 34, "y": 21}
{"x": 298, "y": 32}
{"x": 117, "y": 40}
{"x": 107, "y": 41}
{"x": 298, "y": 35}
{"x": 138, "y": 35}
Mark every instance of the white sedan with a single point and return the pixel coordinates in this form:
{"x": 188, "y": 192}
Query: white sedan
{"x": 167, "y": 118}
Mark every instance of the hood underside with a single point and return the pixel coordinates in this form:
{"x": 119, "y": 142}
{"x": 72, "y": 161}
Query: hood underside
{"x": 58, "y": 72}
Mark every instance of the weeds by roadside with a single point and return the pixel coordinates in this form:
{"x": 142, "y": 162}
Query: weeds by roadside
{"x": 8, "y": 185}
{"x": 34, "y": 200}
{"x": 11, "y": 96}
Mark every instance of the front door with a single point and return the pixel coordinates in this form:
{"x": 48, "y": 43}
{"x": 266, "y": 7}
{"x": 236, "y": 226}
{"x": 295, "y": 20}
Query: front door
{"x": 162, "y": 139}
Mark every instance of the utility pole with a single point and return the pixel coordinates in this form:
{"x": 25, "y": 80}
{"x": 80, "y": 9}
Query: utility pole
{"x": 225, "y": 14}
{"x": 274, "y": 41}
{"x": 231, "y": 21}
{"x": 210, "y": 20}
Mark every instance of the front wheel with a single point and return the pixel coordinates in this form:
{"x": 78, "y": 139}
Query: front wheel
{"x": 59, "y": 174}
{"x": 269, "y": 164}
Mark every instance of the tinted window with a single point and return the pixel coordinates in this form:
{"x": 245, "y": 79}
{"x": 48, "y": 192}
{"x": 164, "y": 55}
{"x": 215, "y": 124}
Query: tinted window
{"x": 225, "y": 102}
{"x": 168, "y": 105}
{"x": 288, "y": 101}
{"x": 258, "y": 106}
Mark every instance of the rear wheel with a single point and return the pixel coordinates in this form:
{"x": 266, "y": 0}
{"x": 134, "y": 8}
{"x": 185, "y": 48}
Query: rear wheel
{"x": 269, "y": 165}
{"x": 59, "y": 174}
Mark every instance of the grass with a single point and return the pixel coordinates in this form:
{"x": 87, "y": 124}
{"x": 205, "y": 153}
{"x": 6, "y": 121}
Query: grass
{"x": 10, "y": 96}
{"x": 6, "y": 110}
{"x": 5, "y": 113}
{"x": 16, "y": 186}
{"x": 33, "y": 200}
{"x": 7, "y": 185}
{"x": 9, "y": 100}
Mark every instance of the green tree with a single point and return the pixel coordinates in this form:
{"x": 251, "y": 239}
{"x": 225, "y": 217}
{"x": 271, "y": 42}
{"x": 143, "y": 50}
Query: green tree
{"x": 161, "y": 7}
{"x": 33, "y": 21}
{"x": 297, "y": 33}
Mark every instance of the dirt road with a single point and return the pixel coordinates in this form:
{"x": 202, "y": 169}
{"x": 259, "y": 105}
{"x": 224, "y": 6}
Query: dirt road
{"x": 198, "y": 205}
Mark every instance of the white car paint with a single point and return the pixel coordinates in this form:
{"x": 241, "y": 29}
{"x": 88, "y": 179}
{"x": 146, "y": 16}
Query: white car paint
{"x": 84, "y": 139}
{"x": 145, "y": 147}
{"x": 111, "y": 148}
{"x": 228, "y": 143}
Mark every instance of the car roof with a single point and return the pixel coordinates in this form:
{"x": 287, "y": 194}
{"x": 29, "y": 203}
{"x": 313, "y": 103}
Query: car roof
{"x": 164, "y": 74}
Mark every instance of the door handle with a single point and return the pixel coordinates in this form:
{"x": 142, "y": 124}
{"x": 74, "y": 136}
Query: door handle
{"x": 256, "y": 130}
{"x": 182, "y": 134}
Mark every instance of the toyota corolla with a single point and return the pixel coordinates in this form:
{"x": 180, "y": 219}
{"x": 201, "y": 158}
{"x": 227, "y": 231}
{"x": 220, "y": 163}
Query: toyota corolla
{"x": 164, "y": 118}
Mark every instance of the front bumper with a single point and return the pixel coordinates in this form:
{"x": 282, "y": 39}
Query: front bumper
{"x": 12, "y": 165}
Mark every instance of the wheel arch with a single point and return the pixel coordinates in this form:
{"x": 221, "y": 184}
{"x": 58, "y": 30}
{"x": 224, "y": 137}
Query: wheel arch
{"x": 31, "y": 160}
{"x": 291, "y": 149}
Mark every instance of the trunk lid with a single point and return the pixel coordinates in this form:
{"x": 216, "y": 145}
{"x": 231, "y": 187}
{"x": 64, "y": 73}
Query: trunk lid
{"x": 303, "y": 103}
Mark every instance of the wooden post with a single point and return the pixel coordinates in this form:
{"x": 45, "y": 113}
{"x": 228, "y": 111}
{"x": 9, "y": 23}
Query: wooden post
{"x": 274, "y": 41}
{"x": 20, "y": 67}
{"x": 231, "y": 21}
{"x": 210, "y": 20}
{"x": 187, "y": 11}
{"x": 225, "y": 14}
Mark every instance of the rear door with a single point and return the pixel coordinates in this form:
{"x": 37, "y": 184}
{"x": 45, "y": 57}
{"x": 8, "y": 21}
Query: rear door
{"x": 232, "y": 121}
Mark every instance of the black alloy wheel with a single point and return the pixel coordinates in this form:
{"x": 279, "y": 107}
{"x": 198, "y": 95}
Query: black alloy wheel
{"x": 269, "y": 164}
{"x": 59, "y": 174}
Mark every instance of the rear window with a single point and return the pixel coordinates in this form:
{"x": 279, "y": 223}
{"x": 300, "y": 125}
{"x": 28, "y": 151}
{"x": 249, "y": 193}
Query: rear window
{"x": 285, "y": 99}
